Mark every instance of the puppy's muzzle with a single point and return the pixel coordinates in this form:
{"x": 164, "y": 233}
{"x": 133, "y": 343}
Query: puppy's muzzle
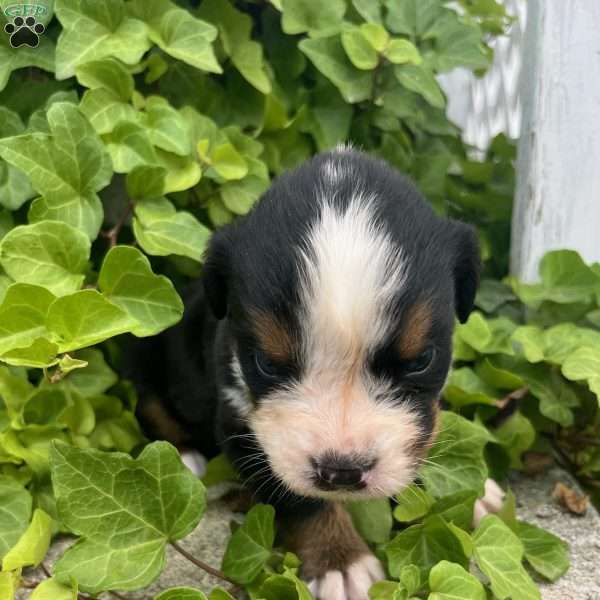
{"x": 332, "y": 471}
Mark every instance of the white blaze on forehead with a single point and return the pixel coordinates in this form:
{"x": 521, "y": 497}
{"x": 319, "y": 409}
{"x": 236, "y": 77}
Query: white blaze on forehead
{"x": 351, "y": 273}
{"x": 334, "y": 172}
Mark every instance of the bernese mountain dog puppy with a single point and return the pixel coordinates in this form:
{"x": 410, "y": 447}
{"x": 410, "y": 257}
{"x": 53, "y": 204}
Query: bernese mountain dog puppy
{"x": 314, "y": 350}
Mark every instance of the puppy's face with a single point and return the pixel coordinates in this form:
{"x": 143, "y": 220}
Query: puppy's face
{"x": 340, "y": 291}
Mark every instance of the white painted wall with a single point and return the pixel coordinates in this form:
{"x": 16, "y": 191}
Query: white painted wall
{"x": 558, "y": 183}
{"x": 486, "y": 106}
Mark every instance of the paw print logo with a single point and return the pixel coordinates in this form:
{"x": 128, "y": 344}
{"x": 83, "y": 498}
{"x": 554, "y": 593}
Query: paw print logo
{"x": 24, "y": 32}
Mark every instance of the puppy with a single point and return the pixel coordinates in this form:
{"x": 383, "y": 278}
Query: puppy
{"x": 314, "y": 351}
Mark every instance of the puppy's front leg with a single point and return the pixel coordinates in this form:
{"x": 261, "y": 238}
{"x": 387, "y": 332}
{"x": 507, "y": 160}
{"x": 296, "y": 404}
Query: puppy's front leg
{"x": 336, "y": 562}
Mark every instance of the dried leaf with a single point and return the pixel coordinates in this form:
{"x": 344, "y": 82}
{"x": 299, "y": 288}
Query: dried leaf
{"x": 572, "y": 500}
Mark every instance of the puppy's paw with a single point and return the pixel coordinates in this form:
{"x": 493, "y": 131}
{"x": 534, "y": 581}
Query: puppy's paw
{"x": 491, "y": 501}
{"x": 194, "y": 461}
{"x": 352, "y": 583}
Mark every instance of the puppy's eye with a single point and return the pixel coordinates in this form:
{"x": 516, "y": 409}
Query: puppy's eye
{"x": 265, "y": 366}
{"x": 421, "y": 363}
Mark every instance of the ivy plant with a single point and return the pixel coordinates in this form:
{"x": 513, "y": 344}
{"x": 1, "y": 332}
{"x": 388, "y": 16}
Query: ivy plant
{"x": 129, "y": 134}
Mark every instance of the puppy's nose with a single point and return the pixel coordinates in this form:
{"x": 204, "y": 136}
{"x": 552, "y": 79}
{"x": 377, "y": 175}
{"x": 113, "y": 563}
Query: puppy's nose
{"x": 338, "y": 471}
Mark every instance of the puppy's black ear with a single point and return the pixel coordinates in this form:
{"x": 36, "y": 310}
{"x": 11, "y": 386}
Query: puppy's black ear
{"x": 216, "y": 271}
{"x": 467, "y": 268}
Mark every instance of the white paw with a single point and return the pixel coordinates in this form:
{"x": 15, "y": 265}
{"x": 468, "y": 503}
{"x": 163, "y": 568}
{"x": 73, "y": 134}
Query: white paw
{"x": 351, "y": 584}
{"x": 491, "y": 501}
{"x": 194, "y": 461}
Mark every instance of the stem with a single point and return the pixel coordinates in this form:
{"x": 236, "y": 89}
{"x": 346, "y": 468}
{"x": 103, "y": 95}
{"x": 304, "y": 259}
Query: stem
{"x": 202, "y": 565}
{"x": 113, "y": 233}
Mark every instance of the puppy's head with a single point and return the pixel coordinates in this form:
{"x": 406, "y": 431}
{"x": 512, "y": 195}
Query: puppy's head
{"x": 340, "y": 291}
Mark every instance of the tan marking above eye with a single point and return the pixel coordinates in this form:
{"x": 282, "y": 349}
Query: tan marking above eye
{"x": 272, "y": 336}
{"x": 415, "y": 329}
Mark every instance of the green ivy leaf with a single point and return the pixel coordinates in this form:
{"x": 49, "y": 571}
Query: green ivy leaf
{"x": 85, "y": 318}
{"x": 95, "y": 29}
{"x": 359, "y": 50}
{"x": 331, "y": 117}
{"x": 466, "y": 387}
{"x": 23, "y": 316}
{"x": 413, "y": 503}
{"x": 12, "y": 59}
{"x": 498, "y": 553}
{"x": 146, "y": 182}
{"x": 126, "y": 278}
{"x": 424, "y": 545}
{"x": 418, "y": 79}
{"x": 220, "y": 594}
{"x": 584, "y": 365}
{"x": 104, "y": 110}
{"x": 129, "y": 146}
{"x": 49, "y": 253}
{"x": 562, "y": 340}
{"x": 51, "y": 589}
{"x": 368, "y": 10}
{"x": 545, "y": 552}
{"x": 329, "y": 57}
{"x": 458, "y": 464}
{"x": 116, "y": 429}
{"x": 40, "y": 354}
{"x": 375, "y": 34}
{"x": 495, "y": 376}
{"x": 449, "y": 581}
{"x": 94, "y": 378}
{"x": 167, "y": 127}
{"x": 178, "y": 33}
{"x": 516, "y": 434}
{"x": 182, "y": 172}
{"x": 456, "y": 508}
{"x": 491, "y": 336}
{"x": 44, "y": 407}
{"x": 32, "y": 546}
{"x": 15, "y": 188}
{"x": 372, "y": 519}
{"x": 565, "y": 279}
{"x": 388, "y": 590}
{"x": 9, "y": 582}
{"x": 228, "y": 162}
{"x": 14, "y": 390}
{"x": 235, "y": 29}
{"x": 240, "y": 196}
{"x": 161, "y": 230}
{"x": 457, "y": 44}
{"x": 284, "y": 587}
{"x": 250, "y": 545}
{"x": 109, "y": 74}
{"x": 219, "y": 469}
{"x": 127, "y": 551}
{"x": 15, "y": 501}
{"x": 181, "y": 593}
{"x": 401, "y": 52}
{"x": 67, "y": 166}
{"x": 556, "y": 396}
{"x": 305, "y": 15}
{"x": 493, "y": 294}
{"x": 412, "y": 17}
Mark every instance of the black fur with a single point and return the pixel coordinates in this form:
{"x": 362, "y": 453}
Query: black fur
{"x": 254, "y": 263}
